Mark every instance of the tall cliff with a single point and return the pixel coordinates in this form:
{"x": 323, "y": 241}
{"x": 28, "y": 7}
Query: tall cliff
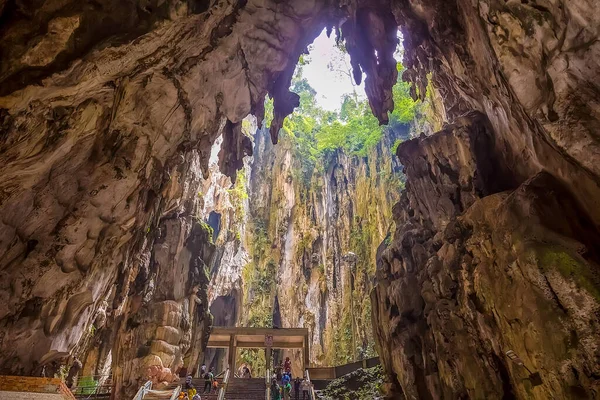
{"x": 296, "y": 242}
{"x": 496, "y": 241}
{"x": 313, "y": 237}
{"x": 108, "y": 113}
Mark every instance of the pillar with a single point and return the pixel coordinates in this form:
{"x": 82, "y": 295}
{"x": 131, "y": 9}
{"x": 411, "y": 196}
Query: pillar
{"x": 232, "y": 354}
{"x": 306, "y": 352}
{"x": 268, "y": 358}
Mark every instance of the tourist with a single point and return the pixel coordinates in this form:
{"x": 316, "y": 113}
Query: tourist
{"x": 278, "y": 372}
{"x": 275, "y": 390}
{"x": 286, "y": 379}
{"x": 203, "y": 370}
{"x": 305, "y": 386}
{"x": 287, "y": 390}
{"x": 247, "y": 373}
{"x": 196, "y": 397}
{"x": 209, "y": 377}
{"x": 191, "y": 392}
{"x": 188, "y": 381}
{"x": 297, "y": 383}
{"x": 287, "y": 365}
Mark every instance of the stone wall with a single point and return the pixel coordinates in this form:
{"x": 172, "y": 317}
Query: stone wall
{"x": 495, "y": 246}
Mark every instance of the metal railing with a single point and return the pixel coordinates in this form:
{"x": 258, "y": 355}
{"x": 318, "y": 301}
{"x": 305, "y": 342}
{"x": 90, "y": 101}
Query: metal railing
{"x": 312, "y": 387}
{"x": 145, "y": 388}
{"x": 176, "y": 393}
{"x": 92, "y": 386}
{"x": 224, "y": 385}
{"x": 268, "y": 384}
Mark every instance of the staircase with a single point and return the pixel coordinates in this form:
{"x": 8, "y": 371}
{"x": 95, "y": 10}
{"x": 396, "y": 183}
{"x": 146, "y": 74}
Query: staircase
{"x": 172, "y": 389}
{"x": 159, "y": 394}
{"x": 199, "y": 385}
{"x": 245, "y": 389}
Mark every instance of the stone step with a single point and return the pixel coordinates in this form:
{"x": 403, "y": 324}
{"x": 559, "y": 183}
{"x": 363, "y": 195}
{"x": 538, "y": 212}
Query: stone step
{"x": 158, "y": 395}
{"x": 245, "y": 389}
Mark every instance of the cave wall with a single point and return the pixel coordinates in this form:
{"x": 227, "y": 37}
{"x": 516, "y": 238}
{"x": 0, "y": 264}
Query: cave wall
{"x": 495, "y": 246}
{"x": 108, "y": 112}
{"x": 309, "y": 229}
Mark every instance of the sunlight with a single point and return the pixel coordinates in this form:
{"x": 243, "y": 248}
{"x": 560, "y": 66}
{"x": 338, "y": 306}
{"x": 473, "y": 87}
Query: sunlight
{"x": 328, "y": 71}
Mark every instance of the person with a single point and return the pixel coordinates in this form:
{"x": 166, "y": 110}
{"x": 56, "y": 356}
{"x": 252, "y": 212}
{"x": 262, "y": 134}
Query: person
{"x": 191, "y": 392}
{"x": 215, "y": 385}
{"x": 305, "y": 386}
{"x": 287, "y": 390}
{"x": 297, "y": 383}
{"x": 278, "y": 372}
{"x": 196, "y": 397}
{"x": 286, "y": 379}
{"x": 247, "y": 374}
{"x": 287, "y": 365}
{"x": 203, "y": 370}
{"x": 188, "y": 381}
{"x": 209, "y": 377}
{"x": 275, "y": 390}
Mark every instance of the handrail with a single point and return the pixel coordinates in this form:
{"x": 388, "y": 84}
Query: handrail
{"x": 224, "y": 385}
{"x": 145, "y": 388}
{"x": 312, "y": 387}
{"x": 176, "y": 393}
{"x": 268, "y": 385}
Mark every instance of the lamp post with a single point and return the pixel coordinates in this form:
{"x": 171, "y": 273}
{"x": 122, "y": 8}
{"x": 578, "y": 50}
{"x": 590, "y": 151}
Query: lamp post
{"x": 534, "y": 377}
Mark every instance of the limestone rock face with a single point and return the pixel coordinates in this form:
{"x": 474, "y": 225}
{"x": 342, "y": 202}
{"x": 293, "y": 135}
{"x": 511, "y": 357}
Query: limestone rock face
{"x": 312, "y": 233}
{"x": 107, "y": 118}
{"x": 497, "y": 234}
{"x": 108, "y": 114}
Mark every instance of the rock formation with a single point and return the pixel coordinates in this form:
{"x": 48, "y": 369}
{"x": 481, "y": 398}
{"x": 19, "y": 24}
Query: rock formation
{"x": 313, "y": 242}
{"x": 290, "y": 237}
{"x": 496, "y": 236}
{"x": 108, "y": 113}
{"x": 109, "y": 110}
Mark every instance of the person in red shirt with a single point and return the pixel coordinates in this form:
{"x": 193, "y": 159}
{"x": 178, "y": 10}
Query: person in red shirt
{"x": 287, "y": 365}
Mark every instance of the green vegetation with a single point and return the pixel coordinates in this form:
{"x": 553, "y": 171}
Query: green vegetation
{"x": 237, "y": 196}
{"x": 362, "y": 384}
{"x": 571, "y": 268}
{"x": 395, "y": 145}
{"x": 405, "y": 108}
{"x": 206, "y": 228}
{"x": 316, "y": 138}
{"x": 317, "y": 133}
{"x": 255, "y": 358}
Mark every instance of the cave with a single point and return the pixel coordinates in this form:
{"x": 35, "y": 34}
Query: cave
{"x": 224, "y": 310}
{"x": 214, "y": 221}
{"x": 109, "y": 111}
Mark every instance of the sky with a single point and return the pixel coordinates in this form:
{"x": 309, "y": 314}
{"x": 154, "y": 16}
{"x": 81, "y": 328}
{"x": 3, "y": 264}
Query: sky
{"x": 324, "y": 73}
